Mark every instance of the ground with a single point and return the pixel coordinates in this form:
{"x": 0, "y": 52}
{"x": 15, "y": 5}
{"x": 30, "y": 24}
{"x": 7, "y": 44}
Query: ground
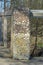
{"x": 36, "y": 61}
{"x": 5, "y": 60}
{"x": 9, "y": 61}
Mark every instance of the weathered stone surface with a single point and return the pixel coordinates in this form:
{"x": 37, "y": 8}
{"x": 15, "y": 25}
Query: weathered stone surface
{"x": 20, "y": 35}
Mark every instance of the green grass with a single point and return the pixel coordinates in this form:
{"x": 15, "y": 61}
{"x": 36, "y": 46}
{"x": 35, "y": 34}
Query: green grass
{"x": 39, "y": 45}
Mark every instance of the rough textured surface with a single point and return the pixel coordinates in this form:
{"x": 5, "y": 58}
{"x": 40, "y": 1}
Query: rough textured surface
{"x": 20, "y": 35}
{"x": 34, "y": 61}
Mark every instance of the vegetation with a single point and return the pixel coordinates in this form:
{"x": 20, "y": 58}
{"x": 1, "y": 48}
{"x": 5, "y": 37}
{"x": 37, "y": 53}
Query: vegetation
{"x": 32, "y": 4}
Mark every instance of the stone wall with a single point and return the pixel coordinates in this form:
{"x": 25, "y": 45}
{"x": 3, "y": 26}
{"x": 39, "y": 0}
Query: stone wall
{"x": 20, "y": 35}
